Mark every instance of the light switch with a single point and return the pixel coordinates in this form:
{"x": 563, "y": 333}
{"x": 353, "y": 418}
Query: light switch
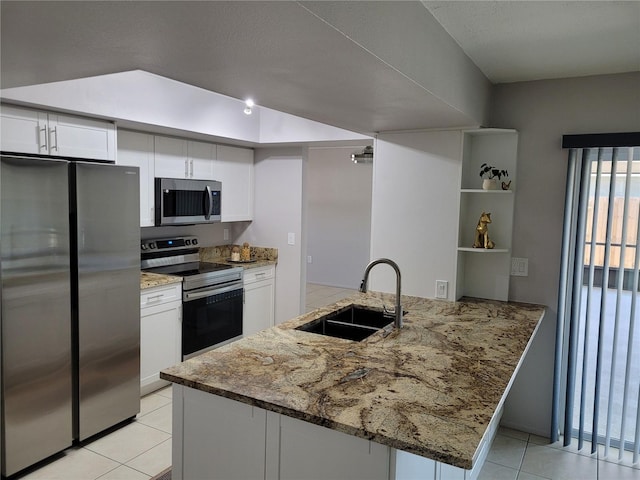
{"x": 291, "y": 238}
{"x": 442, "y": 288}
{"x": 226, "y": 233}
{"x": 520, "y": 267}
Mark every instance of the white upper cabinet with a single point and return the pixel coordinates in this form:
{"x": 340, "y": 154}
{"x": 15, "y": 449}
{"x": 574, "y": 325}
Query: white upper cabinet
{"x": 24, "y": 130}
{"x": 171, "y": 157}
{"x": 181, "y": 158}
{"x": 201, "y": 157}
{"x": 158, "y": 156}
{"x": 234, "y": 168}
{"x": 136, "y": 149}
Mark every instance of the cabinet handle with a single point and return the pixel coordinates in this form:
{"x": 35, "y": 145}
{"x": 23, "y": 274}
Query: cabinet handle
{"x": 155, "y": 298}
{"x": 54, "y": 130}
{"x": 186, "y": 169}
{"x": 40, "y": 133}
{"x": 191, "y": 168}
{"x": 261, "y": 274}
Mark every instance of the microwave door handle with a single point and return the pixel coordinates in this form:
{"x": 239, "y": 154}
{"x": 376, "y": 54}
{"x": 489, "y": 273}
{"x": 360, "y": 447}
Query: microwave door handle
{"x": 209, "y": 208}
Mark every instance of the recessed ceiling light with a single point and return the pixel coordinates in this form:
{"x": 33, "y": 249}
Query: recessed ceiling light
{"x": 249, "y": 104}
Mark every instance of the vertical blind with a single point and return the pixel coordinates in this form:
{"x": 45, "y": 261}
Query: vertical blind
{"x": 597, "y": 370}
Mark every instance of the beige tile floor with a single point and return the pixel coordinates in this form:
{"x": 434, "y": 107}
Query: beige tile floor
{"x": 142, "y": 448}
{"x": 137, "y": 451}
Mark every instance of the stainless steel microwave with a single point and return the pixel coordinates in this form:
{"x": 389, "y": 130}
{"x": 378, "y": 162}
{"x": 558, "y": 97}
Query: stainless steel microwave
{"x": 185, "y": 202}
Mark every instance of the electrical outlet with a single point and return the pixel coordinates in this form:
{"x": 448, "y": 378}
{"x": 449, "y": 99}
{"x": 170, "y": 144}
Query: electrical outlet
{"x": 442, "y": 287}
{"x": 226, "y": 233}
{"x": 309, "y": 259}
{"x": 291, "y": 238}
{"x": 520, "y": 267}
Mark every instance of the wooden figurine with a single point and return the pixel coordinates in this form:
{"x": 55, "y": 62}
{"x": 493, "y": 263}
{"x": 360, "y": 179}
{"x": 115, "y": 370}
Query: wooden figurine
{"x": 482, "y": 239}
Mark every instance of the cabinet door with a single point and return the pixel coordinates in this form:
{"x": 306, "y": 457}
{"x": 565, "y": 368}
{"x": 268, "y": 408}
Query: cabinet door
{"x": 222, "y": 438}
{"x": 81, "y": 137}
{"x": 201, "y": 160}
{"x": 136, "y": 149}
{"x": 171, "y": 157}
{"x": 333, "y": 454}
{"x": 23, "y": 131}
{"x": 160, "y": 343}
{"x": 258, "y": 312}
{"x": 234, "y": 168}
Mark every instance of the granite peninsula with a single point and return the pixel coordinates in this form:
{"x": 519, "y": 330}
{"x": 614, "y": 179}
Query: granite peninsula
{"x": 431, "y": 388}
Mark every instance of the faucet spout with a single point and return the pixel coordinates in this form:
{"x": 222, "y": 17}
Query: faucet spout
{"x": 394, "y": 265}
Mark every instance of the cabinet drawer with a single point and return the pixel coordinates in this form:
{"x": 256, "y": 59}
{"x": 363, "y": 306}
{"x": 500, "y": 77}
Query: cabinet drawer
{"x": 159, "y": 295}
{"x": 257, "y": 274}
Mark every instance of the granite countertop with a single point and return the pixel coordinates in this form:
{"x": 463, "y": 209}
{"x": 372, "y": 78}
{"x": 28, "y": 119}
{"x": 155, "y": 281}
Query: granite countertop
{"x": 245, "y": 265}
{"x": 149, "y": 280}
{"x": 430, "y": 389}
{"x": 260, "y": 257}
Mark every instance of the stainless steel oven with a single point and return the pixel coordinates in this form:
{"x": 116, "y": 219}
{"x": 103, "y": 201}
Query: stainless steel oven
{"x": 212, "y": 293}
{"x": 212, "y": 316}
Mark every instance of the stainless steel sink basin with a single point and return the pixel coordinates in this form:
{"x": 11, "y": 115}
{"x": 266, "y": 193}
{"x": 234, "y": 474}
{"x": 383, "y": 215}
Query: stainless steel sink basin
{"x": 352, "y": 323}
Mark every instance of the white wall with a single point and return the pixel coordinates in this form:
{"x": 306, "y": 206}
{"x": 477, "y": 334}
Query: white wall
{"x": 139, "y": 99}
{"x": 542, "y": 112}
{"x": 412, "y": 41}
{"x": 278, "y": 211}
{"x": 416, "y": 182}
{"x": 338, "y": 216}
{"x": 209, "y": 235}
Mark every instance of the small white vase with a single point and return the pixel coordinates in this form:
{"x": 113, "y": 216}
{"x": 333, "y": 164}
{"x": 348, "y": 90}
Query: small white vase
{"x": 489, "y": 184}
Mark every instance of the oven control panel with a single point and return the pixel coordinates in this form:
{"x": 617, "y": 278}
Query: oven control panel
{"x": 168, "y": 244}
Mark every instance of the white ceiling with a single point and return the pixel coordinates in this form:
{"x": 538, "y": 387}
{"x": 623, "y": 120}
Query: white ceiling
{"x": 514, "y": 41}
{"x": 291, "y": 58}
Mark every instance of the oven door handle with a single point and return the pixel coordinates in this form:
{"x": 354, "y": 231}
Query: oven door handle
{"x": 190, "y": 296}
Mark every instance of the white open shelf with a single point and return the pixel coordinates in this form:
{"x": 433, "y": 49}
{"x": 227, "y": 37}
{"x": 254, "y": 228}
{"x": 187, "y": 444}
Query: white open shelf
{"x": 480, "y": 190}
{"x": 483, "y": 250}
{"x": 480, "y": 272}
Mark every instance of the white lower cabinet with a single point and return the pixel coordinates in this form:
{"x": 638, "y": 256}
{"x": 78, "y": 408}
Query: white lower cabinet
{"x": 219, "y": 438}
{"x": 309, "y": 451}
{"x": 160, "y": 334}
{"x": 259, "y": 299}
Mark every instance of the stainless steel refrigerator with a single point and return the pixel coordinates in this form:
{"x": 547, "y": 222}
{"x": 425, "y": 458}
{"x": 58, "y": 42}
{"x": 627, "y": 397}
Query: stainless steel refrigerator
{"x": 70, "y": 316}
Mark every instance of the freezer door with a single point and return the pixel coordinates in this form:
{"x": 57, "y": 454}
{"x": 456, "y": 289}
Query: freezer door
{"x": 107, "y": 236}
{"x": 36, "y": 314}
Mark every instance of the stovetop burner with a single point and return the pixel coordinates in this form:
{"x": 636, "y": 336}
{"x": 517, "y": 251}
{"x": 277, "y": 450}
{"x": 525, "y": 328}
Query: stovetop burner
{"x": 191, "y": 268}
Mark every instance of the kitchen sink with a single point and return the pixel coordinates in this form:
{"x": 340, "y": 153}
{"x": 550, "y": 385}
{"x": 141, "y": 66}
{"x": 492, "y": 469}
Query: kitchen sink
{"x": 351, "y": 323}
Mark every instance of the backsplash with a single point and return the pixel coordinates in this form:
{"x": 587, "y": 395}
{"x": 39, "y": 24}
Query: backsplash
{"x": 224, "y": 251}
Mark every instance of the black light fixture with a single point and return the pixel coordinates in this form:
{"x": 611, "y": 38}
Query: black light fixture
{"x": 366, "y": 156}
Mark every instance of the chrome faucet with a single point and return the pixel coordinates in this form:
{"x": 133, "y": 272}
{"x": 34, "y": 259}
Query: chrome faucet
{"x": 363, "y": 286}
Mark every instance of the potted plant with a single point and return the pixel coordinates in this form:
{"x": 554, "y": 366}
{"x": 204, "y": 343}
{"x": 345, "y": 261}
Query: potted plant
{"x": 490, "y": 176}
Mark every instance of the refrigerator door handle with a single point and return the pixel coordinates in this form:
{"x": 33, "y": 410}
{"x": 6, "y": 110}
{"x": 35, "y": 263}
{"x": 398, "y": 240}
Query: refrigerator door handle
{"x": 207, "y": 213}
